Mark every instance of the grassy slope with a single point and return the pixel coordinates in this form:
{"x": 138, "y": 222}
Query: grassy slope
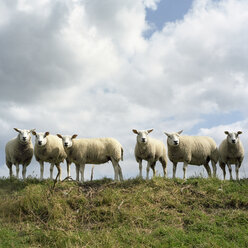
{"x": 136, "y": 213}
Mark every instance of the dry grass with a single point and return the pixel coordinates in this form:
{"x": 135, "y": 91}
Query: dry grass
{"x": 136, "y": 213}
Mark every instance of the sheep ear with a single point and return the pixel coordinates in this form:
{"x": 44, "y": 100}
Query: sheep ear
{"x": 167, "y": 134}
{"x": 74, "y": 136}
{"x": 46, "y": 134}
{"x": 17, "y": 130}
{"x": 135, "y": 131}
{"x": 226, "y": 132}
{"x": 180, "y": 132}
{"x": 239, "y": 132}
{"x": 60, "y": 136}
{"x": 33, "y": 132}
{"x": 150, "y": 130}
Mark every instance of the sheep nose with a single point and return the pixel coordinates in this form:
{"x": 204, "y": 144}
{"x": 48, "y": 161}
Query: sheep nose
{"x": 39, "y": 142}
{"x": 176, "y": 142}
{"x": 24, "y": 138}
{"x": 233, "y": 141}
{"x": 143, "y": 139}
{"x": 66, "y": 143}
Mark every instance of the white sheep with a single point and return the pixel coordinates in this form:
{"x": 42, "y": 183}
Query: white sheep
{"x": 92, "y": 151}
{"x": 49, "y": 148}
{"x": 151, "y": 150}
{"x": 18, "y": 151}
{"x": 194, "y": 150}
{"x": 231, "y": 151}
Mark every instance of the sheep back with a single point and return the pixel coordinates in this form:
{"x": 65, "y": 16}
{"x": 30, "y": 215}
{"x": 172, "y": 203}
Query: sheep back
{"x": 231, "y": 153}
{"x": 94, "y": 151}
{"x": 52, "y": 152}
{"x": 195, "y": 150}
{"x": 18, "y": 153}
{"x": 153, "y": 150}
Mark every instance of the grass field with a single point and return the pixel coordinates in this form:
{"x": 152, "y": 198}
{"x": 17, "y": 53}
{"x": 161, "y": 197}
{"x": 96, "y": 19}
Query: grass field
{"x": 135, "y": 213}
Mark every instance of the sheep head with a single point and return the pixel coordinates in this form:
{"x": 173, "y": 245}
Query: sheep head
{"x": 142, "y": 135}
{"x": 233, "y": 137}
{"x": 173, "y": 138}
{"x": 67, "y": 139}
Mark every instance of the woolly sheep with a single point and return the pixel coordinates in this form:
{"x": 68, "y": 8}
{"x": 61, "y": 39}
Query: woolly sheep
{"x": 92, "y": 151}
{"x": 231, "y": 151}
{"x": 18, "y": 151}
{"x": 194, "y": 150}
{"x": 151, "y": 150}
{"x": 48, "y": 148}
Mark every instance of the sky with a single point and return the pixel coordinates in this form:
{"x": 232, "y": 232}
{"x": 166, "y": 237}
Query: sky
{"x": 102, "y": 68}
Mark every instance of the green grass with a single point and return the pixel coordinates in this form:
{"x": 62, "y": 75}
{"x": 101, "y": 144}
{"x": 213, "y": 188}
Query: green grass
{"x": 135, "y": 213}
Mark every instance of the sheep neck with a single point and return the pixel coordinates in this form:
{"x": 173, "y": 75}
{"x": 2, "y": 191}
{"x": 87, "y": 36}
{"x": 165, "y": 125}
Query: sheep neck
{"x": 44, "y": 147}
{"x": 143, "y": 148}
{"x": 233, "y": 147}
{"x": 69, "y": 151}
{"x": 171, "y": 147}
{"x": 23, "y": 146}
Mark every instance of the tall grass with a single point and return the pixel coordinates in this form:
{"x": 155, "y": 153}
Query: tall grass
{"x": 136, "y": 213}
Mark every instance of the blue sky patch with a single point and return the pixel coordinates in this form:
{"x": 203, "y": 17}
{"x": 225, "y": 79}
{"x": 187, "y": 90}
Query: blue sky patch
{"x": 168, "y": 11}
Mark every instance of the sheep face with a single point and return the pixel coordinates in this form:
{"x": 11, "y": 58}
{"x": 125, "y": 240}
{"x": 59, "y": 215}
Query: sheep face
{"x": 24, "y": 135}
{"x": 142, "y": 135}
{"x": 67, "y": 139}
{"x": 233, "y": 137}
{"x": 40, "y": 138}
{"x": 173, "y": 138}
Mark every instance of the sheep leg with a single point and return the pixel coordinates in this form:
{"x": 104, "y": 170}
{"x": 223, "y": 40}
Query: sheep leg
{"x": 17, "y": 170}
{"x": 120, "y": 173}
{"x": 77, "y": 172}
{"x": 224, "y": 173}
{"x": 185, "y": 165}
{"x": 51, "y": 170}
{"x": 153, "y": 168}
{"x": 24, "y": 170}
{"x": 223, "y": 167}
{"x": 82, "y": 167}
{"x": 164, "y": 165}
{"x": 41, "y": 170}
{"x": 214, "y": 168}
{"x": 174, "y": 170}
{"x": 59, "y": 171}
{"x": 208, "y": 169}
{"x": 116, "y": 170}
{"x": 148, "y": 169}
{"x": 230, "y": 170}
{"x": 68, "y": 165}
{"x": 237, "y": 170}
{"x": 10, "y": 170}
{"x": 140, "y": 168}
{"x": 92, "y": 173}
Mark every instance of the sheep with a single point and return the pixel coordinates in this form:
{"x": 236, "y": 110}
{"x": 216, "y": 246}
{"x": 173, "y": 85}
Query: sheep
{"x": 151, "y": 150}
{"x": 49, "y": 148}
{"x": 92, "y": 151}
{"x": 231, "y": 151}
{"x": 18, "y": 151}
{"x": 194, "y": 150}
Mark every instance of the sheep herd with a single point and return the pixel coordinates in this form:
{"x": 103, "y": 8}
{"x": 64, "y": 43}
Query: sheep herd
{"x": 193, "y": 150}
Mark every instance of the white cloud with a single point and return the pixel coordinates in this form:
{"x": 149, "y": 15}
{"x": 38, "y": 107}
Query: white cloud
{"x": 84, "y": 67}
{"x": 152, "y": 4}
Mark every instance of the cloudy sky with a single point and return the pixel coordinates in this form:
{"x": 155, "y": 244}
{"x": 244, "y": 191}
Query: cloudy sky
{"x": 100, "y": 68}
